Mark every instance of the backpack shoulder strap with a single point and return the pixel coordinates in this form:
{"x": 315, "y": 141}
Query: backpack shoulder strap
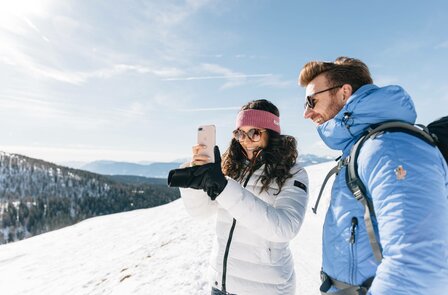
{"x": 334, "y": 170}
{"x": 355, "y": 184}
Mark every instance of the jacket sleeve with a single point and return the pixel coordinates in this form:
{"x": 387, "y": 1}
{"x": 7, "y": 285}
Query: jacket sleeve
{"x": 406, "y": 180}
{"x": 279, "y": 222}
{"x": 197, "y": 203}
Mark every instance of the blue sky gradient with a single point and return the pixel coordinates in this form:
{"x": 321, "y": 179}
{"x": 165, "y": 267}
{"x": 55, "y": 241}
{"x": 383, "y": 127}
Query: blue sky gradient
{"x": 131, "y": 80}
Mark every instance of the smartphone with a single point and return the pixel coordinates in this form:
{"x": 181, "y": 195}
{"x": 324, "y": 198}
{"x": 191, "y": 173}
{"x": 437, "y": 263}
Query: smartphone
{"x": 207, "y": 137}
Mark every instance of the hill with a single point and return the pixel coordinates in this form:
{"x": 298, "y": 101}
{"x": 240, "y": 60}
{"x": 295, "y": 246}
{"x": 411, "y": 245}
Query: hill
{"x": 138, "y": 180}
{"x": 150, "y": 251}
{"x": 154, "y": 170}
{"x": 38, "y": 196}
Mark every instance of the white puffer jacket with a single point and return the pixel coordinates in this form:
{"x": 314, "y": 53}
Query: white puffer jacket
{"x": 259, "y": 259}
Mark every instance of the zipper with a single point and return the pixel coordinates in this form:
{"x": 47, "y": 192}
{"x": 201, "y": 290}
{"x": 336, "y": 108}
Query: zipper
{"x": 226, "y": 255}
{"x": 353, "y": 230}
{"x": 352, "y": 242}
{"x": 229, "y": 240}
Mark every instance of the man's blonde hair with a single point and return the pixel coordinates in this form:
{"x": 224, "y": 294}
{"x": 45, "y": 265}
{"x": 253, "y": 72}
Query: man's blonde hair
{"x": 344, "y": 70}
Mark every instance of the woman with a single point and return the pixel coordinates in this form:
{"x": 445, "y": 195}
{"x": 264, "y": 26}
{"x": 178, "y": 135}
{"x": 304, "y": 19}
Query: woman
{"x": 260, "y": 206}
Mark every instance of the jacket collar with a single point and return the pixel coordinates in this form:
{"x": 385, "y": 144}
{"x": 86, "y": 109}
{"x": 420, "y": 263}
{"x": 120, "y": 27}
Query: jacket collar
{"x": 369, "y": 105}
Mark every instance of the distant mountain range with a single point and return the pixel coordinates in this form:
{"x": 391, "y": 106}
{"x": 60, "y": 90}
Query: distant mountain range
{"x": 161, "y": 169}
{"x": 157, "y": 170}
{"x": 37, "y": 196}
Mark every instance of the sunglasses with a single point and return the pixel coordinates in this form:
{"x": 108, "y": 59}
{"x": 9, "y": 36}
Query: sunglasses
{"x": 311, "y": 101}
{"x": 253, "y": 134}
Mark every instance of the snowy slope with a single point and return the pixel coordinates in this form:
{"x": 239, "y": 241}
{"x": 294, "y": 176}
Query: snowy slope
{"x": 152, "y": 251}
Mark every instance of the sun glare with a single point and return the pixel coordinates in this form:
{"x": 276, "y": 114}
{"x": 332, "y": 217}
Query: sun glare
{"x": 22, "y": 8}
{"x": 13, "y": 13}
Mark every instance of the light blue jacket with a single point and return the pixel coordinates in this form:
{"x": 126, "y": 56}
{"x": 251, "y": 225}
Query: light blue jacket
{"x": 411, "y": 207}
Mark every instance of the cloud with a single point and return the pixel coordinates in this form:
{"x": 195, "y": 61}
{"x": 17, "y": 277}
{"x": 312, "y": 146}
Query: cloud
{"x": 90, "y": 72}
{"x": 76, "y": 55}
{"x": 236, "y": 79}
{"x": 218, "y": 69}
{"x": 235, "y": 76}
{"x": 24, "y": 106}
{"x": 277, "y": 82}
{"x": 169, "y": 14}
{"x": 43, "y": 111}
{"x": 246, "y": 56}
{"x": 30, "y": 66}
{"x": 168, "y": 72}
{"x": 211, "y": 109}
{"x": 144, "y": 108}
{"x": 119, "y": 69}
{"x": 33, "y": 26}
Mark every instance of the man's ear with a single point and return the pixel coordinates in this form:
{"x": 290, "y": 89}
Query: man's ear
{"x": 347, "y": 91}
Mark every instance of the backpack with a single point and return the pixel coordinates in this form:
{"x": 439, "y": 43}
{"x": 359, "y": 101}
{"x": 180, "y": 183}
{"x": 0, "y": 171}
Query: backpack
{"x": 436, "y": 134}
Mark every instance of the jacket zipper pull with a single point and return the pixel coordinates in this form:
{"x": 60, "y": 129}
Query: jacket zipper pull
{"x": 353, "y": 230}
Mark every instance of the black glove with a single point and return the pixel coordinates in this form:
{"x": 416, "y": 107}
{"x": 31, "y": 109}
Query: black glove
{"x": 214, "y": 180}
{"x": 208, "y": 177}
{"x": 190, "y": 177}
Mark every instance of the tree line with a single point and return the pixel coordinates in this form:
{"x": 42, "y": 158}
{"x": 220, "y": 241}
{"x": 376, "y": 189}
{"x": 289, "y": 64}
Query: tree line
{"x": 37, "y": 196}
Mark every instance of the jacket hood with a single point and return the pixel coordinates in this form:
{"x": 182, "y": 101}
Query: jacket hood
{"x": 369, "y": 105}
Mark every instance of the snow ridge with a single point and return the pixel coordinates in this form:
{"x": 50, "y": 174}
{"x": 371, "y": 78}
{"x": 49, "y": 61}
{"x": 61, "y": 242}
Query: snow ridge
{"x": 149, "y": 251}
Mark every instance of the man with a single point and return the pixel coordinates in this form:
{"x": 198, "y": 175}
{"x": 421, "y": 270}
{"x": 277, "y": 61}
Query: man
{"x": 405, "y": 177}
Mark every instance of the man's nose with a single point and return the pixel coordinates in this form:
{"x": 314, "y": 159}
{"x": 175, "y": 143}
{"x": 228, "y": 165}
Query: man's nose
{"x": 307, "y": 112}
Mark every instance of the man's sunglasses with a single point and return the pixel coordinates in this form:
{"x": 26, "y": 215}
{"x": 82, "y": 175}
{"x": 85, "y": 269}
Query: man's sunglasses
{"x": 311, "y": 101}
{"x": 253, "y": 134}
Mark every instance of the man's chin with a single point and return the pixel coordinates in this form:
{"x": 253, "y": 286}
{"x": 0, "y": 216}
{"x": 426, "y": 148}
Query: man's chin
{"x": 319, "y": 121}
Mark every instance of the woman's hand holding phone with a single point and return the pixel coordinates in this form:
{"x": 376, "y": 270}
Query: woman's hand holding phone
{"x": 212, "y": 180}
{"x": 203, "y": 151}
{"x": 199, "y": 156}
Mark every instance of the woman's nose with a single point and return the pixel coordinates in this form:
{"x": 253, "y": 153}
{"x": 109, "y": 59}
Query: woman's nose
{"x": 246, "y": 139}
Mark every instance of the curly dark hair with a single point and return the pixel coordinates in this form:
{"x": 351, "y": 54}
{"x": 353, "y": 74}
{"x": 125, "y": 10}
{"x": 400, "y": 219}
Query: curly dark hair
{"x": 279, "y": 156}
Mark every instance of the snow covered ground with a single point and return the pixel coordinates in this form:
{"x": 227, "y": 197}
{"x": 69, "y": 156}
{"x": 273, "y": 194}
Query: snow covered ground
{"x": 152, "y": 251}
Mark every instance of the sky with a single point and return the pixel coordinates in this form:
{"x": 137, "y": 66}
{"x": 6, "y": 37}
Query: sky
{"x": 132, "y": 80}
{"x": 160, "y": 250}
